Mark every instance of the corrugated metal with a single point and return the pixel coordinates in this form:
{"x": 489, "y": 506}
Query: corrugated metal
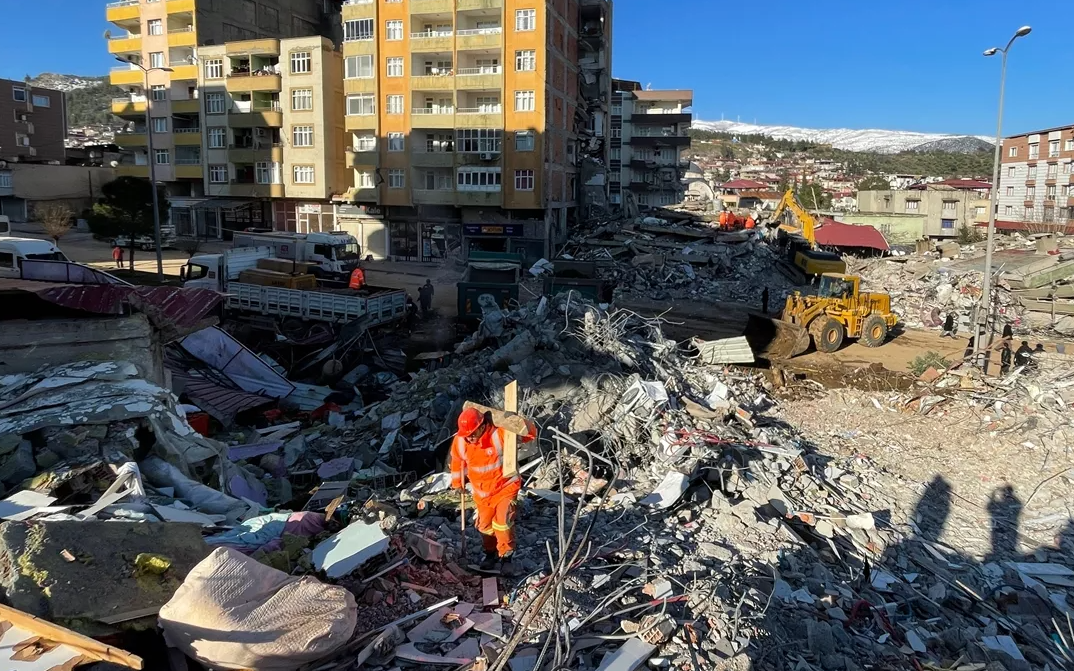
{"x": 726, "y": 351}
{"x": 221, "y": 402}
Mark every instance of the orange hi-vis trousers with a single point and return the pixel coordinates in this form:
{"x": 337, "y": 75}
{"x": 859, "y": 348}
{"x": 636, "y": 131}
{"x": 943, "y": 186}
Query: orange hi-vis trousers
{"x": 496, "y": 524}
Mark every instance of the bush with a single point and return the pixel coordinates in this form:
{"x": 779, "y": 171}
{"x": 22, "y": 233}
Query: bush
{"x": 929, "y": 360}
{"x": 969, "y": 235}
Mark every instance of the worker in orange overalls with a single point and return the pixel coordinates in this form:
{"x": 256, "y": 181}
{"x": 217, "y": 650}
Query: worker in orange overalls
{"x": 478, "y": 448}
{"x": 357, "y": 278}
{"x": 750, "y": 223}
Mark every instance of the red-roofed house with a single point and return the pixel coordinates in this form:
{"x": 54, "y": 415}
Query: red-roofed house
{"x": 831, "y": 233}
{"x": 732, "y": 193}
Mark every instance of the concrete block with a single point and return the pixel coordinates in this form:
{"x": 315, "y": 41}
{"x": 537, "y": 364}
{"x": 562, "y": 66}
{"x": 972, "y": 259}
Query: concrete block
{"x": 342, "y": 553}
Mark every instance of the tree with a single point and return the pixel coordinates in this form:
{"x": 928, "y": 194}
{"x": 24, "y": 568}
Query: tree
{"x": 874, "y": 183}
{"x": 784, "y": 181}
{"x": 814, "y": 197}
{"x": 126, "y": 209}
{"x": 55, "y": 220}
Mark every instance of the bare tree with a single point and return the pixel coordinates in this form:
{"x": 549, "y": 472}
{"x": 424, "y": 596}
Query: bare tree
{"x": 56, "y": 220}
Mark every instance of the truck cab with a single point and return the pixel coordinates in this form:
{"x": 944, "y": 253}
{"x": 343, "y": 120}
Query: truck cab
{"x": 13, "y": 251}
{"x": 203, "y": 271}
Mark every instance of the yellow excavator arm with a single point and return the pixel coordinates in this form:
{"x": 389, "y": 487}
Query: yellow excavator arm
{"x": 807, "y": 224}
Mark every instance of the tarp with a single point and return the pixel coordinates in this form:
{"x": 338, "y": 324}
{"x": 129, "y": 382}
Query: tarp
{"x": 835, "y": 234}
{"x": 216, "y": 348}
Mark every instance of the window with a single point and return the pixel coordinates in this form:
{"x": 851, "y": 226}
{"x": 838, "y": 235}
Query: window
{"x": 365, "y": 180}
{"x": 214, "y": 103}
{"x": 525, "y": 19}
{"x": 301, "y": 99}
{"x": 42, "y": 101}
{"x": 524, "y": 140}
{"x": 1053, "y": 170}
{"x": 217, "y": 138}
{"x": 357, "y": 29}
{"x": 1067, "y": 190}
{"x": 19, "y": 94}
{"x": 1068, "y": 145}
{"x": 267, "y": 173}
{"x": 5, "y": 179}
{"x": 526, "y": 61}
{"x": 912, "y": 205}
{"x": 1008, "y": 210}
{"x": 480, "y": 140}
{"x": 361, "y": 104}
{"x": 154, "y": 27}
{"x": 617, "y": 109}
{"x": 1034, "y": 151}
{"x": 396, "y": 179}
{"x": 366, "y": 143}
{"x": 525, "y": 101}
{"x": 1031, "y": 192}
{"x": 303, "y": 174}
{"x": 615, "y": 176}
{"x": 1050, "y": 193}
{"x": 1032, "y": 172}
{"x": 615, "y": 154}
{"x": 643, "y": 199}
{"x": 160, "y": 124}
{"x": 163, "y": 156}
{"x": 214, "y": 69}
{"x": 302, "y": 136}
{"x": 218, "y": 174}
{"x": 158, "y": 92}
{"x": 479, "y": 179}
{"x": 488, "y": 104}
{"x": 301, "y": 63}
{"x": 395, "y": 67}
{"x": 1053, "y": 148}
{"x": 22, "y": 140}
{"x": 393, "y": 30}
{"x": 1068, "y": 168}
{"x": 1064, "y": 214}
{"x": 395, "y": 142}
{"x": 395, "y": 104}
{"x": 950, "y": 205}
{"x": 948, "y": 224}
{"x": 1010, "y": 172}
{"x": 617, "y": 132}
{"x": 1012, "y": 152}
{"x": 359, "y": 67}
{"x": 439, "y": 142}
{"x": 523, "y": 180}
{"x": 1010, "y": 190}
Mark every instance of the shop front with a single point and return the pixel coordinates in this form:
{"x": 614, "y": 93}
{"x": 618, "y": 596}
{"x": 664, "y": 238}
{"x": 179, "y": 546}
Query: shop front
{"x": 366, "y": 224}
{"x": 425, "y": 242}
{"x": 515, "y": 238}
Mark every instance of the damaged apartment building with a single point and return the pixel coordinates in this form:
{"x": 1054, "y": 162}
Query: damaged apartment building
{"x": 595, "y": 90}
{"x": 648, "y": 140}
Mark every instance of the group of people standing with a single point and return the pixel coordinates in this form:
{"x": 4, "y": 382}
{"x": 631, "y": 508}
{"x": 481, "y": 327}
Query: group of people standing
{"x": 1023, "y": 356}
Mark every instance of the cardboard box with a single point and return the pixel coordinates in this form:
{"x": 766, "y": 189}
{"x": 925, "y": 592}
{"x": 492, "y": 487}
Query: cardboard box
{"x": 285, "y": 266}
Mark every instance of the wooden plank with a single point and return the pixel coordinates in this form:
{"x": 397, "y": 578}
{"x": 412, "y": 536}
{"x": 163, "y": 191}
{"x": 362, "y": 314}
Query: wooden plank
{"x": 511, "y": 422}
{"x": 510, "y": 448}
{"x": 86, "y": 646}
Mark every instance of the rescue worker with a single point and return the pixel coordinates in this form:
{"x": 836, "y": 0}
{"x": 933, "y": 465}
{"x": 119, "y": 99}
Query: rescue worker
{"x": 949, "y": 326}
{"x": 478, "y": 448}
{"x": 357, "y": 278}
{"x": 750, "y": 223}
{"x": 1005, "y": 355}
{"x": 1024, "y": 354}
{"x": 425, "y": 297}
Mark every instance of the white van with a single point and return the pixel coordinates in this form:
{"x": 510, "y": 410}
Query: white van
{"x": 5, "y": 226}
{"x": 13, "y": 251}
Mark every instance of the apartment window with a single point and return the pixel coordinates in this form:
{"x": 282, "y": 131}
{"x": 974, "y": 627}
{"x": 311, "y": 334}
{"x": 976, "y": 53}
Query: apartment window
{"x": 524, "y": 140}
{"x": 267, "y": 173}
{"x": 480, "y": 140}
{"x": 615, "y": 176}
{"x": 1010, "y": 190}
{"x": 395, "y": 142}
{"x": 523, "y": 180}
{"x": 947, "y": 224}
{"x": 395, "y": 67}
{"x": 217, "y": 138}
{"x": 1031, "y": 192}
{"x": 488, "y": 104}
{"x": 1012, "y": 152}
{"x": 911, "y": 205}
{"x": 1053, "y": 148}
{"x": 163, "y": 156}
{"x": 357, "y": 29}
{"x": 393, "y": 30}
{"x": 1068, "y": 168}
{"x": 214, "y": 103}
{"x": 643, "y": 199}
{"x": 1050, "y": 193}
{"x": 617, "y": 132}
{"x": 365, "y": 180}
{"x": 617, "y": 109}
{"x": 395, "y": 104}
{"x": 214, "y": 69}
{"x": 1031, "y": 172}
{"x": 1064, "y": 214}
{"x": 301, "y": 99}
{"x": 525, "y": 101}
{"x": 158, "y": 92}
{"x": 366, "y": 143}
{"x": 42, "y": 101}
{"x": 160, "y": 124}
{"x": 1010, "y": 172}
{"x": 526, "y": 61}
{"x": 18, "y": 94}
{"x": 156, "y": 59}
{"x": 1049, "y": 214}
{"x": 1053, "y": 170}
{"x": 218, "y": 174}
{"x": 525, "y": 19}
{"x": 1008, "y": 210}
{"x": 359, "y": 67}
{"x": 479, "y": 179}
{"x": 615, "y": 154}
{"x": 22, "y": 140}
{"x": 1034, "y": 151}
{"x": 303, "y": 174}
{"x": 1027, "y": 213}
{"x": 154, "y": 27}
{"x": 301, "y": 63}
{"x": 439, "y": 142}
{"x": 950, "y": 205}
{"x": 396, "y": 179}
{"x": 302, "y": 136}
{"x": 1068, "y": 145}
{"x": 361, "y": 105}
{"x": 1066, "y": 190}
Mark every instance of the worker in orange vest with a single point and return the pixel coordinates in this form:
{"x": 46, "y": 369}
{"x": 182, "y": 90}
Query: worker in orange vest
{"x": 723, "y": 218}
{"x": 357, "y": 278}
{"x": 750, "y": 223}
{"x": 478, "y": 448}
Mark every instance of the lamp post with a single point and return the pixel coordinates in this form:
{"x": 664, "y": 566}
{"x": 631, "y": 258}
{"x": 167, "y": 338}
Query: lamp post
{"x": 981, "y": 325}
{"x": 151, "y": 159}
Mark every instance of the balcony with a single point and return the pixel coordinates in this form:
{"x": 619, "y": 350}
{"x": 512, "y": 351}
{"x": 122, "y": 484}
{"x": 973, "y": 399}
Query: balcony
{"x": 246, "y": 83}
{"x": 358, "y": 9}
{"x": 360, "y": 122}
{"x": 187, "y": 137}
{"x": 434, "y": 117}
{"x": 362, "y": 159}
{"x": 192, "y": 106}
{"x": 432, "y": 41}
{"x": 474, "y": 79}
{"x": 659, "y": 141}
{"x": 132, "y": 139}
{"x": 184, "y": 72}
{"x": 188, "y": 168}
{"x": 180, "y": 7}
{"x": 432, "y": 83}
{"x": 252, "y": 190}
{"x": 130, "y": 170}
{"x": 184, "y": 37}
{"x": 245, "y": 114}
{"x": 432, "y": 6}
{"x": 131, "y": 44}
{"x": 432, "y": 159}
{"x": 433, "y": 196}
{"x": 126, "y": 76}
{"x": 264, "y": 47}
{"x": 359, "y": 85}
{"x": 122, "y": 11}
{"x": 479, "y": 38}
{"x": 131, "y": 106}
{"x": 470, "y": 5}
{"x": 242, "y": 154}
{"x": 659, "y": 119}
{"x": 479, "y": 198}
{"x": 479, "y": 117}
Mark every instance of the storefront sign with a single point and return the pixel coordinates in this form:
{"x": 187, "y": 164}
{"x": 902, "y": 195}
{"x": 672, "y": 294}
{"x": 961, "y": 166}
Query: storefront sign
{"x": 510, "y": 230}
{"x": 309, "y": 208}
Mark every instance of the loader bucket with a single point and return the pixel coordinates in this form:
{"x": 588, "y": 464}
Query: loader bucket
{"x": 775, "y": 339}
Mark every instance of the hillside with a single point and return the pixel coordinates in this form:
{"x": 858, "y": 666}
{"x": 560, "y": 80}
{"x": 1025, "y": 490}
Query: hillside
{"x": 868, "y": 140}
{"x": 89, "y": 99}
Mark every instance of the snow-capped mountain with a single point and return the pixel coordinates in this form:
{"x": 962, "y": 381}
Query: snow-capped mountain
{"x": 883, "y": 141}
{"x": 65, "y": 83}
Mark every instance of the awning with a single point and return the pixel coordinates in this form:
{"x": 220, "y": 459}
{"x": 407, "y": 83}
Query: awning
{"x": 222, "y": 203}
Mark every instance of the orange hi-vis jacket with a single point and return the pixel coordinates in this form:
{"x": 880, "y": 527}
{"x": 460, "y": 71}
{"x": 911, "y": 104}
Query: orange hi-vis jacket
{"x": 483, "y": 462}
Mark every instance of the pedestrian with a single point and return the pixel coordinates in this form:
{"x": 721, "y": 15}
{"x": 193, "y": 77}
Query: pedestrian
{"x": 425, "y": 297}
{"x": 357, "y": 278}
{"x": 949, "y": 326}
{"x": 478, "y": 448}
{"x": 411, "y": 313}
{"x": 1024, "y": 355}
{"x": 1005, "y": 359}
{"x": 117, "y": 256}
{"x": 764, "y": 301}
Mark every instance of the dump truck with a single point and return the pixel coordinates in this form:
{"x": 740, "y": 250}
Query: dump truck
{"x": 334, "y": 254}
{"x": 494, "y": 273}
{"x": 797, "y": 235}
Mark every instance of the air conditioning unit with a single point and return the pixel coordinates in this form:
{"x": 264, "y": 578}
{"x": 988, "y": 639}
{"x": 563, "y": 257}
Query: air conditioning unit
{"x": 488, "y": 156}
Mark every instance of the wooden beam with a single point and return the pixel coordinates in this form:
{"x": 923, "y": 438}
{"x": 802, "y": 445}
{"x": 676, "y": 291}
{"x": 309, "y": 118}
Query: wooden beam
{"x": 510, "y": 448}
{"x": 513, "y": 423}
{"x": 86, "y": 646}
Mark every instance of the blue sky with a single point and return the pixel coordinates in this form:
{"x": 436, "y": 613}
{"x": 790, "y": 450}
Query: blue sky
{"x": 910, "y": 65}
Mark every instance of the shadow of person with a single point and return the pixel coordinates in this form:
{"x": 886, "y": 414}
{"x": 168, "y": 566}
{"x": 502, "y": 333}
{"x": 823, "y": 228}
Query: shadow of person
{"x": 1005, "y": 514}
{"x": 932, "y": 509}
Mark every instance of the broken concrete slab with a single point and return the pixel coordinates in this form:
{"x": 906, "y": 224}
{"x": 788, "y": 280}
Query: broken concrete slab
{"x": 490, "y": 592}
{"x": 410, "y": 653}
{"x": 342, "y": 553}
{"x": 630, "y": 656}
{"x": 425, "y": 548}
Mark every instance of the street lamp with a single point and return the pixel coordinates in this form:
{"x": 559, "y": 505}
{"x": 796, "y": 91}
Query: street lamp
{"x": 151, "y": 158}
{"x": 981, "y": 325}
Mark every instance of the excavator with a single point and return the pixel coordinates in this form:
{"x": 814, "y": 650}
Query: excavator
{"x": 799, "y": 228}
